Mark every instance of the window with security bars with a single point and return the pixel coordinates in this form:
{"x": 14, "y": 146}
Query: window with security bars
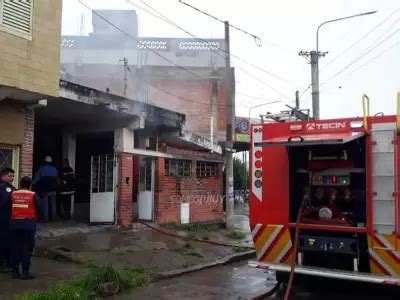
{"x": 206, "y": 169}
{"x": 9, "y": 158}
{"x": 16, "y": 17}
{"x": 178, "y": 167}
{"x": 103, "y": 173}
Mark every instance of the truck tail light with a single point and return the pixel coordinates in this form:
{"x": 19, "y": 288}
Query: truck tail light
{"x": 258, "y": 154}
{"x": 258, "y": 163}
{"x": 257, "y": 166}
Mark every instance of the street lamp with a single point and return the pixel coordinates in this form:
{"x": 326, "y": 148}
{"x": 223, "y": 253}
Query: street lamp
{"x": 259, "y": 105}
{"x": 315, "y": 63}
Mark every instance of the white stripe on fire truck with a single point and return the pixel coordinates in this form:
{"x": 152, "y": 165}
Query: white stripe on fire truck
{"x": 382, "y": 263}
{"x": 269, "y": 242}
{"x": 283, "y": 252}
{"x": 256, "y": 229}
{"x": 388, "y": 245}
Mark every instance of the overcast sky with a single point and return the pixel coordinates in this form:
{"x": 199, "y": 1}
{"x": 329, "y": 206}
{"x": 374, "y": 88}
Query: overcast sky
{"x": 286, "y": 27}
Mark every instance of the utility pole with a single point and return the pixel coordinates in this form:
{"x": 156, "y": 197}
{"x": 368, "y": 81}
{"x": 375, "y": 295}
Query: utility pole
{"x": 314, "y": 58}
{"x": 314, "y": 61}
{"x": 229, "y": 120}
{"x": 214, "y": 94}
{"x": 126, "y": 69}
{"x": 297, "y": 100}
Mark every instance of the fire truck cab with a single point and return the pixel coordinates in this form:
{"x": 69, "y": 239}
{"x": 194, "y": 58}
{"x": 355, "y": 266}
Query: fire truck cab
{"x": 343, "y": 174}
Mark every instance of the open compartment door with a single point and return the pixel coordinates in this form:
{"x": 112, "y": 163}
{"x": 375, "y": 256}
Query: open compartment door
{"x": 312, "y": 139}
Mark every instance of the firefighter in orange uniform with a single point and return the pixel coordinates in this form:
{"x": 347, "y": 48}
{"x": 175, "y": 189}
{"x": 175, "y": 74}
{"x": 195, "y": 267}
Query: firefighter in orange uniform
{"x": 24, "y": 214}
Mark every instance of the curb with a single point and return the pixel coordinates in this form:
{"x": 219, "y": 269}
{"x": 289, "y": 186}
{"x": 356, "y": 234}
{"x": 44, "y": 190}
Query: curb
{"x": 57, "y": 255}
{"x": 221, "y": 261}
{"x": 177, "y": 235}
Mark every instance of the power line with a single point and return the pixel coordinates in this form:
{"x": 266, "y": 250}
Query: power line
{"x": 256, "y": 38}
{"x": 375, "y": 57}
{"x": 305, "y": 90}
{"x": 361, "y": 56}
{"x": 164, "y": 18}
{"x": 238, "y": 67}
{"x": 264, "y": 83}
{"x": 250, "y": 96}
{"x": 135, "y": 39}
{"x": 359, "y": 40}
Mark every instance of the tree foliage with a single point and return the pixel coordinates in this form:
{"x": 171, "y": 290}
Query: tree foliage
{"x": 239, "y": 174}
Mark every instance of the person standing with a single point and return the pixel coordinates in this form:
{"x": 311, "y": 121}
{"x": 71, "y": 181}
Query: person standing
{"x": 24, "y": 213}
{"x": 6, "y": 188}
{"x": 67, "y": 189}
{"x": 45, "y": 182}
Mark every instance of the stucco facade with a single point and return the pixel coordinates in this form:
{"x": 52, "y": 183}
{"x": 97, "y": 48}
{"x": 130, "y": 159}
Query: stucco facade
{"x": 33, "y": 63}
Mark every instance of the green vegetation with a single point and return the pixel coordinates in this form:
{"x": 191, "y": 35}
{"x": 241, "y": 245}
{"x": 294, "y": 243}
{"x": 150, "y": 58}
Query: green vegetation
{"x": 239, "y": 249}
{"x": 194, "y": 227}
{"x": 236, "y": 235}
{"x": 100, "y": 281}
{"x": 239, "y": 174}
{"x": 202, "y": 227}
{"x": 187, "y": 249}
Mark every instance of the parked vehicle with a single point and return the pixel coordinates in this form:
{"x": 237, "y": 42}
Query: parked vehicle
{"x": 324, "y": 194}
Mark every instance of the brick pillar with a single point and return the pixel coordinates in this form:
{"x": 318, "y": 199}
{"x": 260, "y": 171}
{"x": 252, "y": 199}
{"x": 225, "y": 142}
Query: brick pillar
{"x": 26, "y": 156}
{"x": 135, "y": 184}
{"x": 158, "y": 185}
{"x": 125, "y": 195}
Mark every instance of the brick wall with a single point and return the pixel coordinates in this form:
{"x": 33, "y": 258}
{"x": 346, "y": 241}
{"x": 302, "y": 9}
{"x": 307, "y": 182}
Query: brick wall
{"x": 194, "y": 102}
{"x": 205, "y": 195}
{"x": 26, "y": 156}
{"x": 124, "y": 203}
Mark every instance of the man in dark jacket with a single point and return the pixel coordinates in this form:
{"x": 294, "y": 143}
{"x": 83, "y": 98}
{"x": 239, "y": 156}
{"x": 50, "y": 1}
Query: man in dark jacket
{"x": 25, "y": 209}
{"x": 67, "y": 189}
{"x": 6, "y": 188}
{"x": 45, "y": 182}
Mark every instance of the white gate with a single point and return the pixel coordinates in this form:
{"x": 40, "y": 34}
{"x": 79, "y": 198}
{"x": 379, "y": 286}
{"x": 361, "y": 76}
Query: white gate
{"x": 146, "y": 189}
{"x": 102, "y": 188}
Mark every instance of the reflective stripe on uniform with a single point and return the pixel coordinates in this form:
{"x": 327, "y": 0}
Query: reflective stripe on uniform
{"x": 67, "y": 193}
{"x": 20, "y": 205}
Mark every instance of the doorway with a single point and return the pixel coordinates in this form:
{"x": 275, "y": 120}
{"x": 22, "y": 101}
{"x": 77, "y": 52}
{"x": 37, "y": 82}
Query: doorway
{"x": 146, "y": 189}
{"x": 88, "y": 146}
{"x": 102, "y": 189}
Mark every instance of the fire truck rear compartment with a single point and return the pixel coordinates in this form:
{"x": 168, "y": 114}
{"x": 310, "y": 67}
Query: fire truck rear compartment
{"x": 331, "y": 181}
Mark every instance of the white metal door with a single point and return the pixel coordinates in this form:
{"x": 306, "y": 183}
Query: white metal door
{"x": 383, "y": 176}
{"x": 146, "y": 189}
{"x": 102, "y": 189}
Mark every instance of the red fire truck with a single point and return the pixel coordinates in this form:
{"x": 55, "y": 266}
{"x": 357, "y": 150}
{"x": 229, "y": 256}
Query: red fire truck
{"x": 324, "y": 194}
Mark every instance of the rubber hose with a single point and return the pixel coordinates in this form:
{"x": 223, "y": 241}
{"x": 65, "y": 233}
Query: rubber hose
{"x": 269, "y": 293}
{"x": 296, "y": 248}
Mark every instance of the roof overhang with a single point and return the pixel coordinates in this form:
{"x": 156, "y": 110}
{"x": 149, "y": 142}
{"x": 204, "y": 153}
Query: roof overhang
{"x": 190, "y": 140}
{"x": 153, "y": 115}
{"x": 19, "y": 94}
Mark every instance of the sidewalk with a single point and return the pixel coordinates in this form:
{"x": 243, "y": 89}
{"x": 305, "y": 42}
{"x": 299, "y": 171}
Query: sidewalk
{"x": 150, "y": 249}
{"x": 63, "y": 252}
{"x": 47, "y": 271}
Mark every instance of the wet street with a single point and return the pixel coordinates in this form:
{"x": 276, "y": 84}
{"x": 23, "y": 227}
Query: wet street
{"x": 235, "y": 281}
{"x": 238, "y": 281}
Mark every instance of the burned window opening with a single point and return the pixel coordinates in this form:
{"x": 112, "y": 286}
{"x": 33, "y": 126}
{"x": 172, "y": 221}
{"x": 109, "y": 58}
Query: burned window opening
{"x": 177, "y": 167}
